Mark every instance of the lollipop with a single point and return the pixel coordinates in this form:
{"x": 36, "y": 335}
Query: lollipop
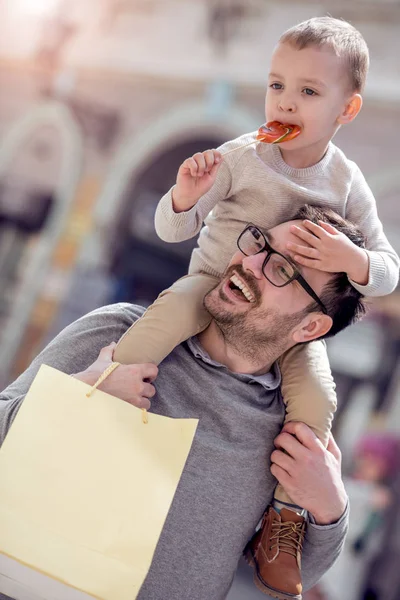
{"x": 273, "y": 133}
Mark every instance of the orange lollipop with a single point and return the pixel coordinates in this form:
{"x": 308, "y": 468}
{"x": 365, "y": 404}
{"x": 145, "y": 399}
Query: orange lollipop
{"x": 273, "y": 132}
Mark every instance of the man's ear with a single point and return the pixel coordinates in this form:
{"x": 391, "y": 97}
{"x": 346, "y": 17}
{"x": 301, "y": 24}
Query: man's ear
{"x": 312, "y": 327}
{"x": 350, "y": 110}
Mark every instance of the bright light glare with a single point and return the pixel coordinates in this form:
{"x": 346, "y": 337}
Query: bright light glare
{"x": 36, "y": 8}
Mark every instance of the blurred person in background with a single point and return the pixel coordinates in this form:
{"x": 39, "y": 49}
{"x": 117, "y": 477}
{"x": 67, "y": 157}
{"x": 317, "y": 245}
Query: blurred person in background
{"x": 383, "y": 573}
{"x": 373, "y": 501}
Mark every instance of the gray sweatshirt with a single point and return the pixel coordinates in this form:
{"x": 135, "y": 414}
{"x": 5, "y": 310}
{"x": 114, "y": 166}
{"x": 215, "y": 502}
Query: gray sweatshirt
{"x": 226, "y": 483}
{"x": 255, "y": 185}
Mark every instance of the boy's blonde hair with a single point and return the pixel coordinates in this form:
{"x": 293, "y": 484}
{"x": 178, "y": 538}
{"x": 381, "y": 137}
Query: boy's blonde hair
{"x": 344, "y": 39}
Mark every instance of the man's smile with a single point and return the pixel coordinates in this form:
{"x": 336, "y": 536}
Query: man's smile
{"x": 235, "y": 288}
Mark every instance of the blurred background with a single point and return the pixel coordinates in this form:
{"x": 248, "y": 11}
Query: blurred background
{"x": 100, "y": 102}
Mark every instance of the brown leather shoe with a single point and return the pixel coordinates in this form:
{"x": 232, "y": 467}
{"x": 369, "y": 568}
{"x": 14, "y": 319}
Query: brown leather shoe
{"x": 275, "y": 553}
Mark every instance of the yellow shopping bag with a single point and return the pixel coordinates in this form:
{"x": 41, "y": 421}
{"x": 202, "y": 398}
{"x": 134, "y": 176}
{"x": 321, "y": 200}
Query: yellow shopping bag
{"x": 86, "y": 485}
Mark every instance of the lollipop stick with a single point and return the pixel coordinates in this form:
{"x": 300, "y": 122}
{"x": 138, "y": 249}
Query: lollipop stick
{"x": 281, "y": 139}
{"x": 239, "y": 147}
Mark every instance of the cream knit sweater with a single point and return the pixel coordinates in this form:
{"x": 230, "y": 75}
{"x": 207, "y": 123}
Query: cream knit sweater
{"x": 254, "y": 184}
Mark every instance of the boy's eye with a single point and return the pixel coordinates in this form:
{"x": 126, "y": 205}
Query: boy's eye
{"x": 276, "y": 86}
{"x": 309, "y": 92}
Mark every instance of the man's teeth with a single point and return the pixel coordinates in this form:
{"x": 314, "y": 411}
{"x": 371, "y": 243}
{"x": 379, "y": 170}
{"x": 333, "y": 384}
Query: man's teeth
{"x": 239, "y": 283}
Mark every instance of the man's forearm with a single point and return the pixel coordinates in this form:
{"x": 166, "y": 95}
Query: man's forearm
{"x": 72, "y": 350}
{"x": 322, "y": 546}
{"x": 328, "y": 515}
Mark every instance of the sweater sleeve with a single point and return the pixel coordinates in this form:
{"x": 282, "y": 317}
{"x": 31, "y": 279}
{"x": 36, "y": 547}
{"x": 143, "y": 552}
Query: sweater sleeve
{"x": 322, "y": 546}
{"x": 71, "y": 351}
{"x": 383, "y": 260}
{"x": 177, "y": 227}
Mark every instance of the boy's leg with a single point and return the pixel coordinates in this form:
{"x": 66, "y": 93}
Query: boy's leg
{"x": 177, "y": 314}
{"x": 308, "y": 391}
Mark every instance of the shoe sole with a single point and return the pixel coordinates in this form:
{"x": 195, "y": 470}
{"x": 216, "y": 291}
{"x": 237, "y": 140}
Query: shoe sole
{"x": 261, "y": 584}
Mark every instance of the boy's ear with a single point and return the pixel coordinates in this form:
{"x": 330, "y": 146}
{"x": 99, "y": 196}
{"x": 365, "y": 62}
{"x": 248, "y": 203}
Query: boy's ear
{"x": 351, "y": 109}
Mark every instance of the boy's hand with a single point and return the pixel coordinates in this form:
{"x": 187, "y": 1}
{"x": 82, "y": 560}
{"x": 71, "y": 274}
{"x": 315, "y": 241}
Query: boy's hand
{"x": 326, "y": 249}
{"x": 195, "y": 178}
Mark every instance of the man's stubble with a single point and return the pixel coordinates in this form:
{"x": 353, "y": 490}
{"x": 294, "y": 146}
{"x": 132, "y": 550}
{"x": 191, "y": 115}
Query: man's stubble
{"x": 257, "y": 334}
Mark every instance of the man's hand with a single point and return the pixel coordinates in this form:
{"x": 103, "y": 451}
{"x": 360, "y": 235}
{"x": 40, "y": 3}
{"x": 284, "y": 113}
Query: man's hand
{"x": 195, "y": 178}
{"x": 329, "y": 250}
{"x": 309, "y": 473}
{"x": 128, "y": 382}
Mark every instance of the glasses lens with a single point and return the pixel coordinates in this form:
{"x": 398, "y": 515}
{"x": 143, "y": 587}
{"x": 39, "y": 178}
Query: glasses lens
{"x": 278, "y": 270}
{"x": 251, "y": 241}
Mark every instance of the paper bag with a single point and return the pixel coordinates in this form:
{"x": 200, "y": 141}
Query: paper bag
{"x": 86, "y": 485}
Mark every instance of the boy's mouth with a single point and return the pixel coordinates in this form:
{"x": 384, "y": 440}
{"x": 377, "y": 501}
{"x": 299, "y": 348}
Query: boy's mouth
{"x": 275, "y": 132}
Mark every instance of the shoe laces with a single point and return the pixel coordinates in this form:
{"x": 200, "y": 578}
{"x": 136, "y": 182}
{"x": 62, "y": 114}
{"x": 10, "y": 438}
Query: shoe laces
{"x": 288, "y": 536}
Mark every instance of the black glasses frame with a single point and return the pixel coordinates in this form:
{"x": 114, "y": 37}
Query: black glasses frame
{"x": 295, "y": 277}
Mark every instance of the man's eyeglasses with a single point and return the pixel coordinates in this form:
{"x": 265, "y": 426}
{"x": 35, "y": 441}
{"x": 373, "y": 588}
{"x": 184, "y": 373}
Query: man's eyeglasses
{"x": 276, "y": 267}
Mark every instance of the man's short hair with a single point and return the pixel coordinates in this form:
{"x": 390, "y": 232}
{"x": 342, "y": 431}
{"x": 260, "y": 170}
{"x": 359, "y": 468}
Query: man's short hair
{"x": 343, "y": 302}
{"x": 338, "y": 35}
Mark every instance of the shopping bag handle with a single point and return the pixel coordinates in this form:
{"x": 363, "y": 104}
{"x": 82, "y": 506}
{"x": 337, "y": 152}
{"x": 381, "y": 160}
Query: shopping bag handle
{"x": 103, "y": 376}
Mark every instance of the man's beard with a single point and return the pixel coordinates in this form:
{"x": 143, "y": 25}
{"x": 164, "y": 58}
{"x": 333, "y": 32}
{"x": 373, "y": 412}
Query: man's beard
{"x": 257, "y": 334}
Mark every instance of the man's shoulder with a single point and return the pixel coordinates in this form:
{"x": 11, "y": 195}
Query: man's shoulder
{"x": 124, "y": 309}
{"x": 121, "y": 313}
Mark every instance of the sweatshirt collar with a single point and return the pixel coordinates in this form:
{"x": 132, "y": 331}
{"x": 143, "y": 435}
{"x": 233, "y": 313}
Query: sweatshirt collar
{"x": 314, "y": 170}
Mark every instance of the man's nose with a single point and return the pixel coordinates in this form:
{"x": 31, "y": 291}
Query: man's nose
{"x": 254, "y": 264}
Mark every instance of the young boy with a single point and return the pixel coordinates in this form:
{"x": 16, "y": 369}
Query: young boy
{"x": 317, "y": 74}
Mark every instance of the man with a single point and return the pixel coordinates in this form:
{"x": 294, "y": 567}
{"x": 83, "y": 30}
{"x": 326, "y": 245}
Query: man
{"x": 226, "y": 377}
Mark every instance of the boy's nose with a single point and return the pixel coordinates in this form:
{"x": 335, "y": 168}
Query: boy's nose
{"x": 287, "y": 105}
